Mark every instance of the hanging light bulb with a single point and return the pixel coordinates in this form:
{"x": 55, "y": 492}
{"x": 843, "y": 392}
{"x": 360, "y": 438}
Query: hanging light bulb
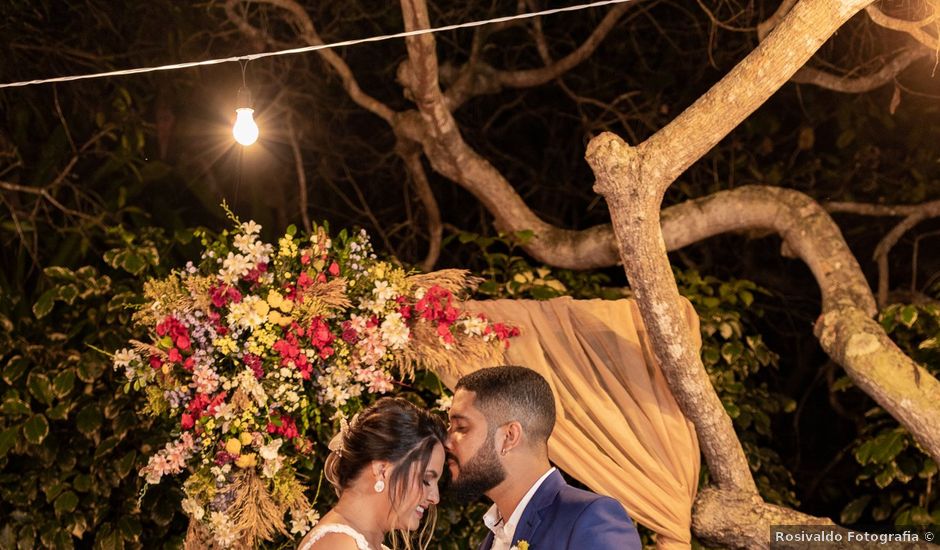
{"x": 245, "y": 129}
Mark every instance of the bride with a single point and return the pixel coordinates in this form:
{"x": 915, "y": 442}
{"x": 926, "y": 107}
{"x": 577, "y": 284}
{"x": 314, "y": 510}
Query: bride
{"x": 385, "y": 467}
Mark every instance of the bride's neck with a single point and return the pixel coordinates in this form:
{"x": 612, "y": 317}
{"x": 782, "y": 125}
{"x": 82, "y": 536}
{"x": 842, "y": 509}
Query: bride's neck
{"x": 363, "y": 514}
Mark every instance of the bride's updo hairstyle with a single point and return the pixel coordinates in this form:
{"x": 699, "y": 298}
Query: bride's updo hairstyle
{"x": 393, "y": 430}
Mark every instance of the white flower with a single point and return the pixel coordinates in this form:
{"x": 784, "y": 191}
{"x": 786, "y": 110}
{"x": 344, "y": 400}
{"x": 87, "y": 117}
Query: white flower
{"x": 193, "y": 509}
{"x": 395, "y": 332}
{"x": 242, "y": 242}
{"x": 124, "y": 357}
{"x": 445, "y": 402}
{"x": 250, "y": 228}
{"x": 473, "y": 326}
{"x": 270, "y": 451}
{"x": 234, "y": 267}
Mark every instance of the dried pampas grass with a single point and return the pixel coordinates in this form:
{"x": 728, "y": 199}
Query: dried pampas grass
{"x": 456, "y": 281}
{"x": 427, "y": 350}
{"x": 255, "y": 514}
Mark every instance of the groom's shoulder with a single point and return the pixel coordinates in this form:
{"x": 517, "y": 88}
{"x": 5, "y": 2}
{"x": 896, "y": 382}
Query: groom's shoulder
{"x": 576, "y": 498}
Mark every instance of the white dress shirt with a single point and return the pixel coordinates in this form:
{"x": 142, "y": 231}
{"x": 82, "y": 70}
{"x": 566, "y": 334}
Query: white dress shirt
{"x": 503, "y": 531}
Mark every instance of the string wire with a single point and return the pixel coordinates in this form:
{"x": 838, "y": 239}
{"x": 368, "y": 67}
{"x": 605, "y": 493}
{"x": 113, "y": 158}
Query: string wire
{"x": 291, "y": 51}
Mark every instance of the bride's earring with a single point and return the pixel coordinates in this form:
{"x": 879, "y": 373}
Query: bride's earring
{"x": 379, "y": 486}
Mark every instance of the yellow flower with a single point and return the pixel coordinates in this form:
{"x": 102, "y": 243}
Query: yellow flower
{"x": 233, "y": 446}
{"x": 261, "y": 308}
{"x": 286, "y": 306}
{"x": 275, "y": 299}
{"x": 245, "y": 438}
{"x": 246, "y": 460}
{"x": 225, "y": 345}
{"x": 522, "y": 545}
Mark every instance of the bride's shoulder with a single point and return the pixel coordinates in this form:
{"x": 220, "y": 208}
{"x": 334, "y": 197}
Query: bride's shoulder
{"x": 331, "y": 541}
{"x": 333, "y": 536}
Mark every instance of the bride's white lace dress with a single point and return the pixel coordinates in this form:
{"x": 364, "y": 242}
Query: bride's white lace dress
{"x": 323, "y": 530}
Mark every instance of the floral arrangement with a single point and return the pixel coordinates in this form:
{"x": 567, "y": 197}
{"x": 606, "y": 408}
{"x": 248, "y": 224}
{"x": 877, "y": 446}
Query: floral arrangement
{"x": 254, "y": 346}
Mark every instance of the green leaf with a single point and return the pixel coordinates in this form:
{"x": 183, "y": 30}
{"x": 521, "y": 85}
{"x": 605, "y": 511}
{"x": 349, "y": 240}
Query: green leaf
{"x": 106, "y": 446}
{"x": 854, "y": 509}
{"x": 129, "y": 528}
{"x": 14, "y": 368}
{"x": 40, "y": 387}
{"x": 82, "y": 483}
{"x": 44, "y": 304}
{"x": 929, "y": 343}
{"x": 36, "y": 429}
{"x": 66, "y": 502}
{"x": 710, "y": 355}
{"x": 60, "y": 411}
{"x": 133, "y": 263}
{"x": 731, "y": 352}
{"x": 14, "y": 407}
{"x": 67, "y": 294}
{"x": 89, "y": 370}
{"x": 885, "y": 476}
{"x": 60, "y": 273}
{"x": 8, "y": 439}
{"x": 89, "y": 419}
{"x": 881, "y": 449}
{"x": 908, "y": 316}
{"x": 841, "y": 384}
{"x": 63, "y": 383}
{"x": 123, "y": 466}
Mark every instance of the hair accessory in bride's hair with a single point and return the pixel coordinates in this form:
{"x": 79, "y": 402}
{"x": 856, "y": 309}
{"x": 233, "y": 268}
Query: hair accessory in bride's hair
{"x": 338, "y": 442}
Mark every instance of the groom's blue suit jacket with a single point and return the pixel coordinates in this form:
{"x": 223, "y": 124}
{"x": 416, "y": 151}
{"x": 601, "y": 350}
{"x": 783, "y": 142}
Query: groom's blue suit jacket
{"x": 561, "y": 517}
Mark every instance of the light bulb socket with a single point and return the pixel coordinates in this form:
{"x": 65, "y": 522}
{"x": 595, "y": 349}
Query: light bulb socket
{"x": 244, "y": 99}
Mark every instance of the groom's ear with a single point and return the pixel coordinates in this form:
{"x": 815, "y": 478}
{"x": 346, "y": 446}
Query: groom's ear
{"x": 510, "y": 437}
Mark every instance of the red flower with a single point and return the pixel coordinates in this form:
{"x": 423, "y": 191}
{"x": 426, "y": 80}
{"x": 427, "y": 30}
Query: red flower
{"x": 254, "y": 363}
{"x": 182, "y": 342}
{"x": 174, "y": 355}
{"x": 305, "y": 259}
{"x": 443, "y": 330}
{"x": 304, "y": 280}
{"x": 156, "y": 362}
{"x": 187, "y": 421}
{"x": 189, "y": 364}
{"x": 334, "y": 269}
{"x": 321, "y": 277}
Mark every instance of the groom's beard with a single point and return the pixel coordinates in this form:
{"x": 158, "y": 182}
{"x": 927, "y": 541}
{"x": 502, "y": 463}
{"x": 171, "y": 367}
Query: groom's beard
{"x": 480, "y": 474}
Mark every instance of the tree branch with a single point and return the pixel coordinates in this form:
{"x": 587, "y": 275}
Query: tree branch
{"x": 913, "y": 215}
{"x": 301, "y": 174}
{"x": 912, "y": 28}
{"x": 476, "y": 78}
{"x": 411, "y": 155}
{"x": 860, "y": 84}
{"x": 309, "y": 35}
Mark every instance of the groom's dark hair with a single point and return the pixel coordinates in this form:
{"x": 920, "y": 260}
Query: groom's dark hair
{"x": 510, "y": 392}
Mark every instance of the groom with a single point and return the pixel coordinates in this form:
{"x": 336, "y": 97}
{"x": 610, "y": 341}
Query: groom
{"x": 497, "y": 444}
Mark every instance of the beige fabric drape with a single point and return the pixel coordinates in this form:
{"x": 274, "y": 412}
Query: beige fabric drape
{"x": 619, "y": 429}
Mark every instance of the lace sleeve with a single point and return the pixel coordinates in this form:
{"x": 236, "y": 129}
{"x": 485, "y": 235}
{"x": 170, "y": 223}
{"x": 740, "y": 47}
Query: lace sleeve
{"x": 323, "y": 530}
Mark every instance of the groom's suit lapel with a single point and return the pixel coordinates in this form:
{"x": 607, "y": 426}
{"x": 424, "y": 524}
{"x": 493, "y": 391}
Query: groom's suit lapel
{"x": 535, "y": 511}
